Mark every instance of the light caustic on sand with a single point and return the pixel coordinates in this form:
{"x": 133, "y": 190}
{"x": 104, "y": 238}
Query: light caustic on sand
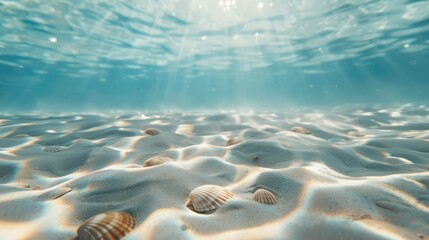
{"x": 346, "y": 173}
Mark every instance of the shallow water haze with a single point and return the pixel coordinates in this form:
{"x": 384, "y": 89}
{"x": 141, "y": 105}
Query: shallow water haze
{"x": 216, "y": 54}
{"x": 214, "y": 119}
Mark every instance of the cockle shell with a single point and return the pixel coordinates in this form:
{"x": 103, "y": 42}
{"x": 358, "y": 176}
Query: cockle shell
{"x": 265, "y": 196}
{"x": 156, "y": 161}
{"x": 300, "y": 130}
{"x": 152, "y": 131}
{"x": 208, "y": 197}
{"x": 53, "y": 149}
{"x": 234, "y": 140}
{"x": 106, "y": 226}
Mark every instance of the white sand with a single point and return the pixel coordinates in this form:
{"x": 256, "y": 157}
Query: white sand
{"x": 360, "y": 174}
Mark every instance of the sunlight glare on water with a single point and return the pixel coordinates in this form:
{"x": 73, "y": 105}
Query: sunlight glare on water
{"x": 212, "y": 53}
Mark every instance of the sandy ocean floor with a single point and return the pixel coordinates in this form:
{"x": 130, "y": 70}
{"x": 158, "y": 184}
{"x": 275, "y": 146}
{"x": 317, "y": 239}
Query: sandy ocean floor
{"x": 350, "y": 173}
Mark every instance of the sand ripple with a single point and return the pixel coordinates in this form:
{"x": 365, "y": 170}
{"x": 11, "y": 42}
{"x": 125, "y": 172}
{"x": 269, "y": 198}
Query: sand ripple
{"x": 362, "y": 173}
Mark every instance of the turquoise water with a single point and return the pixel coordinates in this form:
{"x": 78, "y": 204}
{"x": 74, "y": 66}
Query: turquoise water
{"x": 203, "y": 54}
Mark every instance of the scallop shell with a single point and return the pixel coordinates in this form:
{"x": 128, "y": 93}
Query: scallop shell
{"x": 234, "y": 140}
{"x": 152, "y": 131}
{"x": 156, "y": 161}
{"x": 300, "y": 130}
{"x": 265, "y": 196}
{"x": 53, "y": 149}
{"x": 106, "y": 226}
{"x": 208, "y": 197}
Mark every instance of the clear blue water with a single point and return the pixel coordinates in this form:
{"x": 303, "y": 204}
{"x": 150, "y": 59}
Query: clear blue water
{"x": 211, "y": 54}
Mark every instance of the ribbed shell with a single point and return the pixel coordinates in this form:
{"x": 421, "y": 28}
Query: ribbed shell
{"x": 208, "y": 197}
{"x": 265, "y": 196}
{"x": 156, "y": 161}
{"x": 234, "y": 140}
{"x": 106, "y": 226}
{"x": 53, "y": 149}
{"x": 152, "y": 131}
{"x": 300, "y": 130}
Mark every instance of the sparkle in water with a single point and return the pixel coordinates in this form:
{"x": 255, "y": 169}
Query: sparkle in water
{"x": 214, "y": 119}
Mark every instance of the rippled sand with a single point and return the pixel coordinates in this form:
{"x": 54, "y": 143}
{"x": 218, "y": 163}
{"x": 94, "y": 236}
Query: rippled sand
{"x": 356, "y": 174}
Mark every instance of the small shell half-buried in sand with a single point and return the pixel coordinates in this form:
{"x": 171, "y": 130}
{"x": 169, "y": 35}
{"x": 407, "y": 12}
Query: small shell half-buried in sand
{"x": 156, "y": 161}
{"x": 152, "y": 131}
{"x": 234, "y": 140}
{"x": 106, "y": 226}
{"x": 301, "y": 130}
{"x": 265, "y": 196}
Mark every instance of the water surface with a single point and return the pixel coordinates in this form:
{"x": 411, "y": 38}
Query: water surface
{"x": 95, "y": 55}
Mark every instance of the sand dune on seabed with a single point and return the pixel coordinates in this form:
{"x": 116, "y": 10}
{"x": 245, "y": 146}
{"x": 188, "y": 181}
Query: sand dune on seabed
{"x": 356, "y": 173}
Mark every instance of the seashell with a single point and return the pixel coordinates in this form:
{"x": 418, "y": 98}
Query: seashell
{"x": 106, "y": 226}
{"x": 53, "y": 149}
{"x": 152, "y": 131}
{"x": 156, "y": 161}
{"x": 208, "y": 197}
{"x": 234, "y": 140}
{"x": 300, "y": 130}
{"x": 265, "y": 196}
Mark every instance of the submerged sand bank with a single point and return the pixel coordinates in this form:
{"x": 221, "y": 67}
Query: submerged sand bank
{"x": 356, "y": 173}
